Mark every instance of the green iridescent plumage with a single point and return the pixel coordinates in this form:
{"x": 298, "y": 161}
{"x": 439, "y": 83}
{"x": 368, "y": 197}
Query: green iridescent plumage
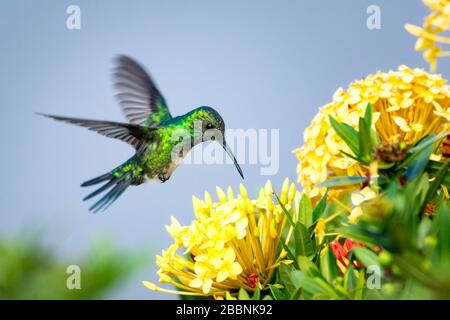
{"x": 151, "y": 130}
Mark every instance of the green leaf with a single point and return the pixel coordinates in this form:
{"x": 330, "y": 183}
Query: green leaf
{"x": 435, "y": 165}
{"x": 357, "y": 233}
{"x": 366, "y": 257}
{"x": 328, "y": 265}
{"x": 427, "y": 141}
{"x": 243, "y": 294}
{"x": 373, "y": 135}
{"x": 360, "y": 285}
{"x": 297, "y": 277}
{"x": 303, "y": 244}
{"x": 296, "y": 294}
{"x": 290, "y": 254}
{"x": 350, "y": 281}
{"x": 418, "y": 164}
{"x": 437, "y": 183}
{"x": 347, "y": 133}
{"x": 319, "y": 210}
{"x": 285, "y": 278}
{"x": 357, "y": 159}
{"x": 308, "y": 268}
{"x": 318, "y": 286}
{"x": 285, "y": 211}
{"x": 342, "y": 181}
{"x": 256, "y": 294}
{"x": 368, "y": 115}
{"x": 277, "y": 293}
{"x": 442, "y": 226}
{"x": 305, "y": 211}
{"x": 365, "y": 141}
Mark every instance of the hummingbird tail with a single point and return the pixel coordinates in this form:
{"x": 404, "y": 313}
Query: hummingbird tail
{"x": 103, "y": 177}
{"x": 118, "y": 180}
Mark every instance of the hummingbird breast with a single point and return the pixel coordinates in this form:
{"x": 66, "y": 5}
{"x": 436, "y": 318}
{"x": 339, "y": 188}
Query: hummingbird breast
{"x": 159, "y": 160}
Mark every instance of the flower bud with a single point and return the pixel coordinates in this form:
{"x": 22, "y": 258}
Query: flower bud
{"x": 221, "y": 195}
{"x": 268, "y": 190}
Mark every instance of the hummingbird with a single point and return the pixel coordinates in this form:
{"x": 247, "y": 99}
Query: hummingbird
{"x": 149, "y": 130}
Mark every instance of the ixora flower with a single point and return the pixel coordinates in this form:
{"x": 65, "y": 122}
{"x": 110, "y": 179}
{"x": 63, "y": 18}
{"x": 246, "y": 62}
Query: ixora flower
{"x": 232, "y": 244}
{"x": 342, "y": 253}
{"x": 408, "y": 104}
{"x": 437, "y": 22}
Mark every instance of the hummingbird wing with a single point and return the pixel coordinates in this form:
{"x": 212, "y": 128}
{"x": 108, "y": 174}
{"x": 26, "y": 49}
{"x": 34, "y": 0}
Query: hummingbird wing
{"x": 129, "y": 133}
{"x": 140, "y": 99}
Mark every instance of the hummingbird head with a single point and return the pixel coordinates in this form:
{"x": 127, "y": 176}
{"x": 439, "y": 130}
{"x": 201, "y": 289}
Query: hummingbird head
{"x": 213, "y": 128}
{"x": 209, "y": 118}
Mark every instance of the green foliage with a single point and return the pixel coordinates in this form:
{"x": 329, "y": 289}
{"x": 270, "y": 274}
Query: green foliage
{"x": 342, "y": 181}
{"x": 399, "y": 249}
{"x": 30, "y": 270}
{"x": 361, "y": 143}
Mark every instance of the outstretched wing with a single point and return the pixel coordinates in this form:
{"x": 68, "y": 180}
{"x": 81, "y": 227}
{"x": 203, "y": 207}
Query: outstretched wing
{"x": 130, "y": 133}
{"x": 138, "y": 96}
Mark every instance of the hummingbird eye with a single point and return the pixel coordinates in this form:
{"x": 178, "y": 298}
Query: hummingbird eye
{"x": 209, "y": 125}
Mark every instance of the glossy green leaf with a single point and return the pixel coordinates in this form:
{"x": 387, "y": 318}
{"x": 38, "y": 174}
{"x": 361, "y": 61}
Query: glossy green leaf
{"x": 443, "y": 172}
{"x": 366, "y": 256}
{"x": 305, "y": 211}
{"x": 442, "y": 225}
{"x": 368, "y": 114}
{"x": 296, "y": 278}
{"x": 285, "y": 211}
{"x": 285, "y": 278}
{"x": 427, "y": 141}
{"x": 302, "y": 239}
{"x": 418, "y": 164}
{"x": 365, "y": 141}
{"x": 319, "y": 209}
{"x": 256, "y": 294}
{"x": 350, "y": 281}
{"x": 243, "y": 294}
{"x": 290, "y": 253}
{"x": 347, "y": 133}
{"x": 308, "y": 268}
{"x": 342, "y": 181}
{"x": 357, "y": 233}
{"x": 278, "y": 294}
{"x": 328, "y": 265}
{"x": 318, "y": 286}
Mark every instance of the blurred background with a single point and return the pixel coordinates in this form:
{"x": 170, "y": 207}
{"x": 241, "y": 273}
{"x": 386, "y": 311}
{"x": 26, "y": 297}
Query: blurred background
{"x": 261, "y": 64}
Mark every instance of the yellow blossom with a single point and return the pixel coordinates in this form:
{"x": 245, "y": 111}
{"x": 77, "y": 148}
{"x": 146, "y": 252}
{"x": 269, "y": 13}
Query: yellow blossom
{"x": 357, "y": 199}
{"x": 436, "y": 23}
{"x": 232, "y": 244}
{"x": 320, "y": 229}
{"x": 408, "y": 104}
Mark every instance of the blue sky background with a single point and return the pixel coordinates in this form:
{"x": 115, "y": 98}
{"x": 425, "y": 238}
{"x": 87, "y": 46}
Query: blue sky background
{"x": 261, "y": 64}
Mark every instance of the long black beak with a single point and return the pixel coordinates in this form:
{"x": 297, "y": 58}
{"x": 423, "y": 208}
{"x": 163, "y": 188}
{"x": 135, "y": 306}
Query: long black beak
{"x": 230, "y": 153}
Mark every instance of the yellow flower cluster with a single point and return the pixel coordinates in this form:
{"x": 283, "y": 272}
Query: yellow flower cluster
{"x": 407, "y": 105}
{"x": 437, "y": 22}
{"x": 232, "y": 244}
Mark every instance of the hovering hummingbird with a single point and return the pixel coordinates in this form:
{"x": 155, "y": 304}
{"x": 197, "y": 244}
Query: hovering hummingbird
{"x": 150, "y": 131}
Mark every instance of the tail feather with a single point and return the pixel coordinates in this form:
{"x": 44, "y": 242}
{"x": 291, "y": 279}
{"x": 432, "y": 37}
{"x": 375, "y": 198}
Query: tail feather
{"x": 117, "y": 181}
{"x": 106, "y": 186}
{"x": 103, "y": 177}
{"x": 110, "y": 197}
